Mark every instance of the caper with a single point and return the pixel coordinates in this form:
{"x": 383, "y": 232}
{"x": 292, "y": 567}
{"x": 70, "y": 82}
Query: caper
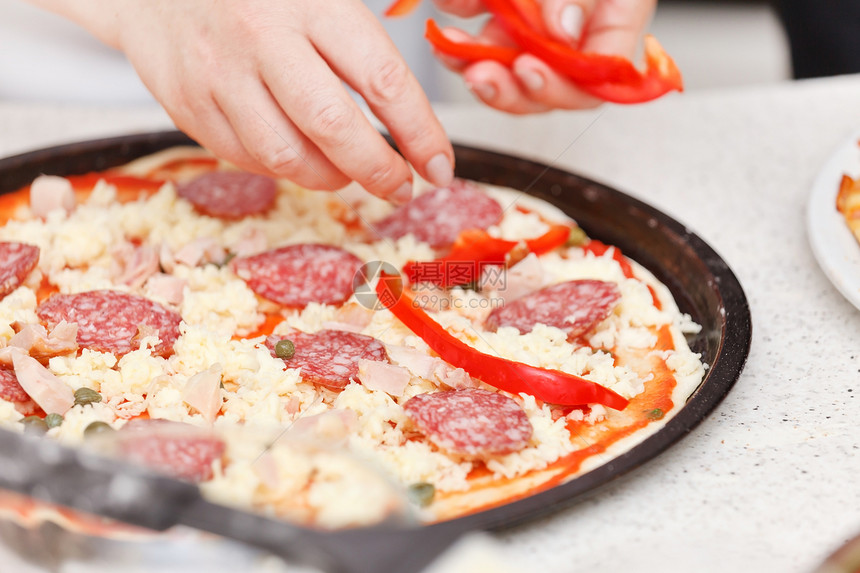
{"x": 95, "y": 428}
{"x": 84, "y": 396}
{"x": 34, "y": 425}
{"x": 227, "y": 258}
{"x": 285, "y": 349}
{"x": 577, "y": 237}
{"x": 53, "y": 420}
{"x": 421, "y": 494}
{"x": 655, "y": 414}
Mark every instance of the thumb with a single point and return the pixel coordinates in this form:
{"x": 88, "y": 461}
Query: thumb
{"x": 566, "y": 20}
{"x": 617, "y": 26}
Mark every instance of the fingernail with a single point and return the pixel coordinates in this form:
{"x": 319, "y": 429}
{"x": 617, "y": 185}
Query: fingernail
{"x": 572, "y": 18}
{"x": 402, "y": 195}
{"x": 440, "y": 171}
{"x": 533, "y": 81}
{"x": 486, "y": 92}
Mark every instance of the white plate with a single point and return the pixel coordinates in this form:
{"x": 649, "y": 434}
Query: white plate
{"x": 836, "y": 249}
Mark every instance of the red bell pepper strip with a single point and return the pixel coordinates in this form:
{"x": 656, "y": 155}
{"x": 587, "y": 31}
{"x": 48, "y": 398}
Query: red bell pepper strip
{"x": 661, "y": 76}
{"x": 473, "y": 244}
{"x": 469, "y": 51}
{"x": 448, "y": 272}
{"x": 551, "y": 386}
{"x": 166, "y": 170}
{"x": 474, "y": 249}
{"x": 123, "y": 183}
{"x": 598, "y": 249}
{"x": 581, "y": 67}
{"x": 401, "y": 8}
{"x": 531, "y": 13}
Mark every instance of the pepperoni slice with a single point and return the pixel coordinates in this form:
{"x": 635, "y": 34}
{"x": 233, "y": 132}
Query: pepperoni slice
{"x": 230, "y": 195}
{"x": 438, "y": 216}
{"x": 471, "y": 422}
{"x": 574, "y": 306}
{"x": 299, "y": 274}
{"x": 17, "y": 260}
{"x": 174, "y": 448}
{"x": 12, "y": 391}
{"x": 330, "y": 357}
{"x": 113, "y": 321}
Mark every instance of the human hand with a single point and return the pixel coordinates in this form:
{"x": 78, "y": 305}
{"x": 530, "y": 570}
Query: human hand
{"x": 530, "y": 85}
{"x": 260, "y": 84}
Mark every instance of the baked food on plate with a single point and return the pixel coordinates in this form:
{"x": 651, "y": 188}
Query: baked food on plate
{"x": 848, "y": 203}
{"x": 326, "y": 357}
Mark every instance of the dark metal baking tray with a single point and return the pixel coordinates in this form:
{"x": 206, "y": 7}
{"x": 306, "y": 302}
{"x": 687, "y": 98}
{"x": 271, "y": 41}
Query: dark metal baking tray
{"x": 700, "y": 280}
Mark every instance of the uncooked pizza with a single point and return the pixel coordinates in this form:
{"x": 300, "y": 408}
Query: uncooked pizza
{"x": 329, "y": 358}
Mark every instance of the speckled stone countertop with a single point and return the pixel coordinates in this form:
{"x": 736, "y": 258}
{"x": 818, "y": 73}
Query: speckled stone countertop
{"x": 770, "y": 481}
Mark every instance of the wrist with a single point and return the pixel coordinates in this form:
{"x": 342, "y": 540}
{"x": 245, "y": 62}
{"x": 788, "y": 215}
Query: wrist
{"x": 100, "y": 19}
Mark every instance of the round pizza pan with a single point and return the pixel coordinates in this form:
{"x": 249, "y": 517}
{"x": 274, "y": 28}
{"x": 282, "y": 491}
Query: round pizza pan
{"x": 700, "y": 280}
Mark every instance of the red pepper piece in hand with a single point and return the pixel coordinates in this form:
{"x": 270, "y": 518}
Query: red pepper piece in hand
{"x": 469, "y": 51}
{"x": 401, "y": 8}
{"x": 611, "y": 78}
{"x": 661, "y": 76}
{"x": 580, "y": 67}
{"x": 551, "y": 386}
{"x": 472, "y": 251}
{"x": 531, "y": 13}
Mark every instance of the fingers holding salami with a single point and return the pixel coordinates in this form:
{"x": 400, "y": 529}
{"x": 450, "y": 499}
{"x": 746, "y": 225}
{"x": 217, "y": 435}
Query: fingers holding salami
{"x": 285, "y": 65}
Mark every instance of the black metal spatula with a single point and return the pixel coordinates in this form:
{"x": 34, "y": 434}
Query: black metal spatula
{"x": 47, "y": 470}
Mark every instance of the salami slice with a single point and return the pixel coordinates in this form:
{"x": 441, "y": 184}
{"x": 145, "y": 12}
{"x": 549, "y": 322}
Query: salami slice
{"x": 573, "y": 306}
{"x": 330, "y": 357}
{"x": 12, "y": 391}
{"x": 174, "y": 448}
{"x": 230, "y": 195}
{"x": 299, "y": 274}
{"x": 17, "y": 260}
{"x": 471, "y": 422}
{"x": 113, "y": 321}
{"x": 438, "y": 216}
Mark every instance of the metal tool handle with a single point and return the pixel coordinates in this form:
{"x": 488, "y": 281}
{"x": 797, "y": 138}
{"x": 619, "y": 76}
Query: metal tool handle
{"x": 48, "y": 470}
